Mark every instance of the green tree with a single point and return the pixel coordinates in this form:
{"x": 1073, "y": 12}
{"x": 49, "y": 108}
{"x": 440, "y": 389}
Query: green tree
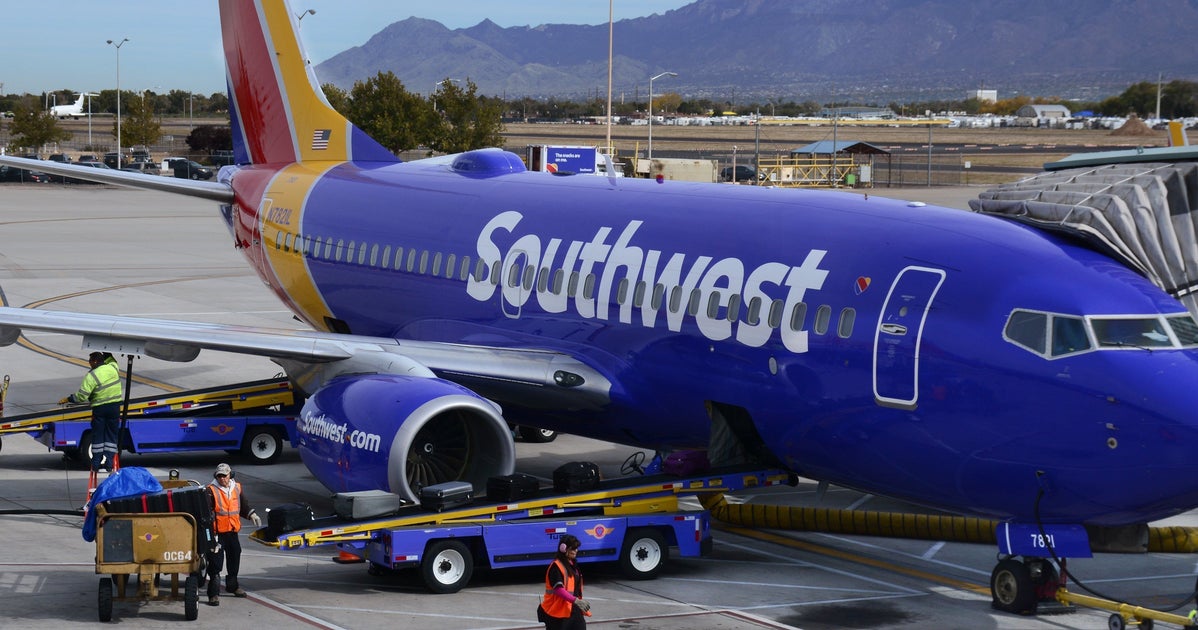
{"x": 466, "y": 121}
{"x": 139, "y": 125}
{"x": 336, "y": 97}
{"x": 205, "y": 139}
{"x": 398, "y": 119}
{"x": 31, "y": 128}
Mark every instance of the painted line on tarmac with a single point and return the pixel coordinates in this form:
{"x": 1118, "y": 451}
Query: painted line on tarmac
{"x": 293, "y": 613}
{"x": 858, "y": 559}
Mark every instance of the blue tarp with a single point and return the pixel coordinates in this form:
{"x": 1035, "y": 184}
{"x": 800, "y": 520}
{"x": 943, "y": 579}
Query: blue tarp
{"x": 126, "y": 482}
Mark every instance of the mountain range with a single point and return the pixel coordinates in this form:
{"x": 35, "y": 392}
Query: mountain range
{"x": 860, "y": 51}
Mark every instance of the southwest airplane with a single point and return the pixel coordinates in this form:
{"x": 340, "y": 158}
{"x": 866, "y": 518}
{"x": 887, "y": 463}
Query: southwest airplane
{"x": 947, "y": 358}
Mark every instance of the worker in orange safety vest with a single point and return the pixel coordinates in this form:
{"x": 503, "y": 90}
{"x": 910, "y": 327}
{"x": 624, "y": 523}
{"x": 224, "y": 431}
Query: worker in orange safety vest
{"x": 563, "y": 607}
{"x": 229, "y": 505}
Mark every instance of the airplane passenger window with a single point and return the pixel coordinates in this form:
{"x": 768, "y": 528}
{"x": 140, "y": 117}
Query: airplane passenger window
{"x": 622, "y": 291}
{"x": 480, "y": 268}
{"x": 734, "y": 307}
{"x": 823, "y": 316}
{"x": 530, "y": 273}
{"x": 1185, "y": 328}
{"x": 513, "y": 275}
{"x": 349, "y": 252}
{"x": 374, "y": 255}
{"x": 572, "y": 288}
{"x": 465, "y": 272}
{"x": 775, "y": 317}
{"x": 848, "y": 317}
{"x": 328, "y": 249}
{"x": 754, "y": 315}
{"x": 675, "y": 299}
{"x": 362, "y": 255}
{"x": 398, "y": 258}
{"x": 1068, "y": 335}
{"x": 495, "y": 273}
{"x": 692, "y": 304}
{"x": 451, "y": 261}
{"x": 1027, "y": 329}
{"x": 798, "y": 316}
{"x": 559, "y": 278}
{"x": 543, "y": 280}
{"x": 423, "y": 261}
{"x": 659, "y": 295}
{"x": 436, "y": 264}
{"x": 588, "y": 287}
{"x": 386, "y": 258}
{"x": 279, "y": 240}
{"x": 1138, "y": 332}
{"x": 713, "y": 305}
{"x": 340, "y": 249}
{"x": 638, "y": 294}
{"x": 411, "y": 260}
{"x": 314, "y": 247}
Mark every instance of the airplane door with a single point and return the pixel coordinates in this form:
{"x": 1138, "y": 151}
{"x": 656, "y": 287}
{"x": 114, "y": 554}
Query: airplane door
{"x": 514, "y": 292}
{"x": 897, "y": 338}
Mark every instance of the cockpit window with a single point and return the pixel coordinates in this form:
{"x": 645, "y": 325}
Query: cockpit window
{"x": 1185, "y": 328}
{"x": 1137, "y": 332}
{"x": 1068, "y": 335}
{"x": 1027, "y": 329}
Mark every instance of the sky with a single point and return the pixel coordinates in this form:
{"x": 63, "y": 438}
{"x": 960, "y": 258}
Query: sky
{"x": 175, "y": 45}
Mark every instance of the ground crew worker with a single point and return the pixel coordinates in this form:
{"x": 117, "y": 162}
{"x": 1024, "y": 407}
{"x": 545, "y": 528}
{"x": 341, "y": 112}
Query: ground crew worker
{"x": 101, "y": 388}
{"x": 229, "y": 505}
{"x": 563, "y": 607}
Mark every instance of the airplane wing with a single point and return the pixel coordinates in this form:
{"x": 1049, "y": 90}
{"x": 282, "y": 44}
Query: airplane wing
{"x": 314, "y": 357}
{"x": 213, "y": 191}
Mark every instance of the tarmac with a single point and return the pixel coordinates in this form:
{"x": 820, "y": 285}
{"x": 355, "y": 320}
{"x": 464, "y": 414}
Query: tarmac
{"x": 140, "y": 253}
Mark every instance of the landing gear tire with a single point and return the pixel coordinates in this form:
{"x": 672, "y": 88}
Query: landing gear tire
{"x": 1011, "y": 588}
{"x": 447, "y": 566}
{"x": 537, "y": 436}
{"x": 644, "y": 554}
{"x": 262, "y": 446}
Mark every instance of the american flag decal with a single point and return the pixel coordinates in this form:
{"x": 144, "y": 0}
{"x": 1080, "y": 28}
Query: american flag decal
{"x": 320, "y": 139}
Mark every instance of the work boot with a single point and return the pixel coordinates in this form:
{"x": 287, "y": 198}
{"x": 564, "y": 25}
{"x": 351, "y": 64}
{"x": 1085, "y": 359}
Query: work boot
{"x": 214, "y": 600}
{"x": 238, "y": 592}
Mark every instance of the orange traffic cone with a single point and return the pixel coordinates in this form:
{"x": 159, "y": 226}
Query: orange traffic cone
{"x": 348, "y": 557}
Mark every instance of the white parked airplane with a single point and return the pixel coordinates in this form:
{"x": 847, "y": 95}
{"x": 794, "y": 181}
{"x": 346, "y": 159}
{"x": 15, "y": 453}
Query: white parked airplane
{"x": 70, "y": 111}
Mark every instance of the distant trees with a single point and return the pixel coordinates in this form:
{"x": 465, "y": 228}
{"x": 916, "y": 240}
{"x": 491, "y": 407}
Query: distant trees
{"x": 1179, "y": 99}
{"x": 465, "y": 121}
{"x": 139, "y": 125}
{"x": 32, "y": 128}
{"x": 208, "y": 138}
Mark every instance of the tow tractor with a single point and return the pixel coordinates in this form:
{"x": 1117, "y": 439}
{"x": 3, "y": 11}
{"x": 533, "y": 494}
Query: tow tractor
{"x": 633, "y": 521}
{"x": 254, "y": 418}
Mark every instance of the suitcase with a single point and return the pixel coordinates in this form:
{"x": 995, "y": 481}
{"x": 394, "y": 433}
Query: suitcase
{"x": 685, "y": 463}
{"x": 288, "y": 517}
{"x": 512, "y": 487}
{"x": 576, "y": 477}
{"x": 195, "y": 500}
{"x": 443, "y": 496}
{"x": 366, "y": 504}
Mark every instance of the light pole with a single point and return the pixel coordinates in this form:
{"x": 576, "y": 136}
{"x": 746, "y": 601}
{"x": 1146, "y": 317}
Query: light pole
{"x": 651, "y": 79}
{"x": 89, "y": 96}
{"x": 433, "y": 95}
{"x": 299, "y": 18}
{"x": 118, "y": 98}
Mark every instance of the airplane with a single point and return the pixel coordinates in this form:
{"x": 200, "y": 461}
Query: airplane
{"x": 70, "y": 111}
{"x": 946, "y": 358}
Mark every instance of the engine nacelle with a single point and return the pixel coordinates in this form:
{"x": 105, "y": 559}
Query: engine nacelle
{"x": 400, "y": 433}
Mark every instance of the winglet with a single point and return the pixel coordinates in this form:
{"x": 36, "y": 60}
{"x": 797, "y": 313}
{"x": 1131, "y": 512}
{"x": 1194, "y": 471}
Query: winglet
{"x": 277, "y": 110}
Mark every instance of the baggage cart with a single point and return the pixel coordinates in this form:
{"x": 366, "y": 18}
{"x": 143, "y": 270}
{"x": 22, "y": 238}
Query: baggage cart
{"x": 136, "y": 551}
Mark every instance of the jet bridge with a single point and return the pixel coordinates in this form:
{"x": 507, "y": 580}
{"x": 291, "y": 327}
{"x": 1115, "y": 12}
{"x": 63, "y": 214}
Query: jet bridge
{"x": 1140, "y": 213}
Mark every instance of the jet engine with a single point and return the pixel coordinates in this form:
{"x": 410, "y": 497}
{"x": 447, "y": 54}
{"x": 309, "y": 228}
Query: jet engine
{"x": 400, "y": 433}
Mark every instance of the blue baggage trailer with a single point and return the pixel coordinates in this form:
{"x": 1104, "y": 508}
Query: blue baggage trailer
{"x": 634, "y": 522}
{"x": 255, "y": 419}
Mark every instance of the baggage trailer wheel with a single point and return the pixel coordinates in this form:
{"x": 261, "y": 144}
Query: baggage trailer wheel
{"x": 644, "y": 554}
{"x": 105, "y": 599}
{"x": 191, "y": 598}
{"x": 447, "y": 566}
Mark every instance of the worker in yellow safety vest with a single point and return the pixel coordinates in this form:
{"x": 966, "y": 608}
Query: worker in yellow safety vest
{"x": 563, "y": 607}
{"x": 101, "y": 388}
{"x": 229, "y": 505}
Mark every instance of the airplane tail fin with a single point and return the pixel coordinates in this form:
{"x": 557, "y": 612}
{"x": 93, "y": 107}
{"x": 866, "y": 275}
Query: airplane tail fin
{"x": 277, "y": 110}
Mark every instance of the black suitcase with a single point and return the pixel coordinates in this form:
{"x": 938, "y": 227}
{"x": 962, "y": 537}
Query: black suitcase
{"x": 443, "y": 496}
{"x": 288, "y": 517}
{"x": 195, "y": 500}
{"x": 512, "y": 487}
{"x": 576, "y": 477}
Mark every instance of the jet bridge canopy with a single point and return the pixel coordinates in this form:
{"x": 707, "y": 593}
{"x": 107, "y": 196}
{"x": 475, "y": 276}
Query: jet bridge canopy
{"x": 1142, "y": 214}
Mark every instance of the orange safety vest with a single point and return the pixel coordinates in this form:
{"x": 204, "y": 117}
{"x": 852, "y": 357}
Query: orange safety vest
{"x": 228, "y": 509}
{"x": 553, "y": 605}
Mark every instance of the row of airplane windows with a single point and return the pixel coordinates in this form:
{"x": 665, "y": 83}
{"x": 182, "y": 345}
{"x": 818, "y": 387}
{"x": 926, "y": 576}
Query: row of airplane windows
{"x": 553, "y": 281}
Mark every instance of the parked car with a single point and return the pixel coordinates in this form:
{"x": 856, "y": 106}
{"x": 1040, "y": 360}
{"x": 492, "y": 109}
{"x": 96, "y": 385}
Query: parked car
{"x": 87, "y": 157}
{"x": 110, "y": 160}
{"x": 20, "y": 175}
{"x": 60, "y": 157}
{"x": 184, "y": 168}
{"x": 76, "y": 180}
{"x": 145, "y": 168}
{"x": 742, "y": 174}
